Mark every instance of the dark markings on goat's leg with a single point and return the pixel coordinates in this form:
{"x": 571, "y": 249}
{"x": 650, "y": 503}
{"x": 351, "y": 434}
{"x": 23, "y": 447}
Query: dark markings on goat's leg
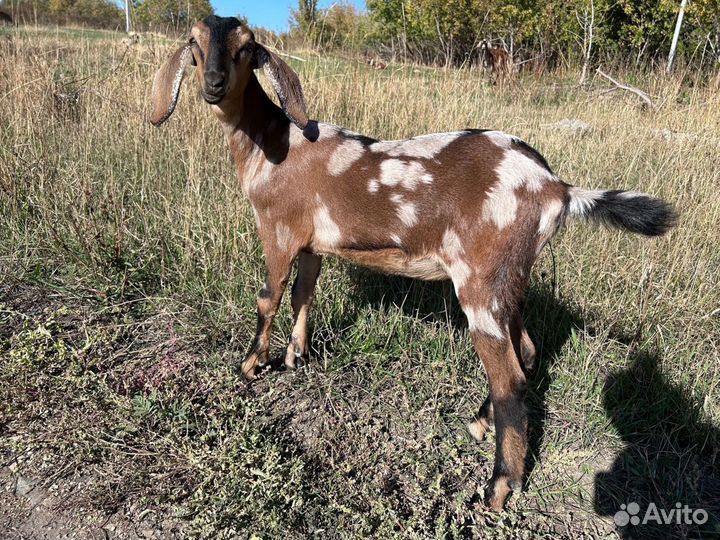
{"x": 507, "y": 392}
{"x": 303, "y": 292}
{"x": 267, "y": 305}
{"x": 483, "y": 422}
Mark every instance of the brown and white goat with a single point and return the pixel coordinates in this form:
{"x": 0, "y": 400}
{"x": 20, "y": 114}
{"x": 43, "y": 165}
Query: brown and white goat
{"x": 472, "y": 206}
{"x": 497, "y": 60}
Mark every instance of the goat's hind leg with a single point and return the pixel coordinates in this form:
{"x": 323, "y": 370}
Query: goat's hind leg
{"x": 303, "y": 292}
{"x": 498, "y": 344}
{"x": 507, "y": 393}
{"x": 484, "y": 421}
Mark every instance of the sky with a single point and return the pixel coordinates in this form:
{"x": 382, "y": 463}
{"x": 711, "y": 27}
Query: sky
{"x": 272, "y": 14}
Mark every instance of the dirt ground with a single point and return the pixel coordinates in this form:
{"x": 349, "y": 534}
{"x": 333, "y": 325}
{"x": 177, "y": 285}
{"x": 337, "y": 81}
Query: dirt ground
{"x": 30, "y": 510}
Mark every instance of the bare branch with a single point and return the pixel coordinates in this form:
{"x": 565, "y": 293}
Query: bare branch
{"x": 639, "y": 93}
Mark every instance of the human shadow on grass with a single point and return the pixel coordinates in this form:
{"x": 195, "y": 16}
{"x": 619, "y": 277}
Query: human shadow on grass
{"x": 670, "y": 463}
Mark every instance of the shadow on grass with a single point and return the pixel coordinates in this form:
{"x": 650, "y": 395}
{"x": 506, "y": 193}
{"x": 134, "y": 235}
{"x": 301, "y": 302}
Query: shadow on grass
{"x": 670, "y": 458}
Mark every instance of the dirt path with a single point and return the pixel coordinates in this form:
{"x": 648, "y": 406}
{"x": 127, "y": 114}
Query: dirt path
{"x": 29, "y": 510}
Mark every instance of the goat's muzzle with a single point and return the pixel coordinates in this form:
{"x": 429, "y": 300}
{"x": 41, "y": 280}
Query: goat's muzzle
{"x": 215, "y": 86}
{"x": 213, "y": 98}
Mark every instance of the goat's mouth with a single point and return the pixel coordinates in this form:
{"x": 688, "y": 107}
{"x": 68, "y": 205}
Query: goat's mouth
{"x": 212, "y": 97}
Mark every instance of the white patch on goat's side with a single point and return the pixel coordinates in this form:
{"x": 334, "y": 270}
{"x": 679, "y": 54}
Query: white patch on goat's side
{"x": 500, "y": 138}
{"x": 549, "y": 217}
{"x": 395, "y": 172}
{"x": 284, "y": 236}
{"x": 481, "y": 320}
{"x": 395, "y": 239}
{"x": 257, "y": 171}
{"x": 451, "y": 244}
{"x": 407, "y": 214}
{"x": 405, "y": 211}
{"x": 583, "y": 200}
{"x": 391, "y": 172}
{"x": 514, "y": 171}
{"x": 500, "y": 206}
{"x": 327, "y": 131}
{"x": 423, "y": 146}
{"x": 344, "y": 156}
{"x": 458, "y": 270}
{"x": 327, "y": 232}
{"x": 373, "y": 186}
{"x": 517, "y": 169}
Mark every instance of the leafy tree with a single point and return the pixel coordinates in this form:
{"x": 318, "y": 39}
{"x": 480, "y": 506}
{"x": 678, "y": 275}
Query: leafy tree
{"x": 172, "y": 14}
{"x": 643, "y": 27}
{"x": 99, "y": 12}
{"x": 339, "y": 26}
{"x": 305, "y": 16}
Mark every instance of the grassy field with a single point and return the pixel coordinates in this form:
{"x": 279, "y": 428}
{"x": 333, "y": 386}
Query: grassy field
{"x": 128, "y": 272}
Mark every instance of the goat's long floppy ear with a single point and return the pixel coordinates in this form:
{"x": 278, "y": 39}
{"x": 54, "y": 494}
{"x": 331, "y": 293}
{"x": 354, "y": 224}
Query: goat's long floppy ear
{"x": 286, "y": 84}
{"x": 166, "y": 85}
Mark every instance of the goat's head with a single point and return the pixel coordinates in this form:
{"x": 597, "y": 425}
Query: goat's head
{"x": 225, "y": 53}
{"x": 485, "y": 47}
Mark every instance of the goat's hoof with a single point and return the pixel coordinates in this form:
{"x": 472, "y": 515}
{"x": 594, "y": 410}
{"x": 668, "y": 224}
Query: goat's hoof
{"x": 295, "y": 356}
{"x": 291, "y": 361}
{"x": 479, "y": 429}
{"x": 249, "y": 372}
{"x": 498, "y": 491}
{"x": 252, "y": 365}
{"x": 294, "y": 362}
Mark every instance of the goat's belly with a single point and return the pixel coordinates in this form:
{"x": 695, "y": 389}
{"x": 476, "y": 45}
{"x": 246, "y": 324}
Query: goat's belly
{"x": 397, "y": 262}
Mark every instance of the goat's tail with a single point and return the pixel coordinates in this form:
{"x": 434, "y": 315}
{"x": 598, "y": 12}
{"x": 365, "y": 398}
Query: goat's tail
{"x": 634, "y": 212}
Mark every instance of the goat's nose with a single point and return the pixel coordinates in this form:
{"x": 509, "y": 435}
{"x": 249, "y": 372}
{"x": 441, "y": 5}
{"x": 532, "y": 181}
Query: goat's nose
{"x": 214, "y": 79}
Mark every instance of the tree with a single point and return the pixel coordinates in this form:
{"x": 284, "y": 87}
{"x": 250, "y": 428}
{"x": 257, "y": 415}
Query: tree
{"x": 177, "y": 15}
{"x": 99, "y": 12}
{"x": 338, "y": 26}
{"x": 305, "y": 17}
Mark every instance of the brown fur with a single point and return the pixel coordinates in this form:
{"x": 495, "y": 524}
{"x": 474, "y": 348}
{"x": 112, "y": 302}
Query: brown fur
{"x": 497, "y": 60}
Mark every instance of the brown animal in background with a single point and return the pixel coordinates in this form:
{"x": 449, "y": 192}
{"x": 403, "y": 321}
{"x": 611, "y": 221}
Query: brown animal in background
{"x": 497, "y": 60}
{"x": 5, "y": 18}
{"x": 472, "y": 206}
{"x": 376, "y": 63}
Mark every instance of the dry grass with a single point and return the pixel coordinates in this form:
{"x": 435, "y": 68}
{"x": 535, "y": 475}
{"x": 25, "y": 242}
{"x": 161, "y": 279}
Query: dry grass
{"x": 129, "y": 265}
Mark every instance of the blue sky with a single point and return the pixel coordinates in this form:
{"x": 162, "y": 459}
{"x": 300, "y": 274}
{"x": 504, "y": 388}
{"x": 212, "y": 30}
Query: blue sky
{"x": 272, "y": 14}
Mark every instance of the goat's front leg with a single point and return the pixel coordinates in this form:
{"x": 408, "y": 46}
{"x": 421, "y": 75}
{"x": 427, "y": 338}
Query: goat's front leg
{"x": 268, "y": 301}
{"x": 303, "y": 292}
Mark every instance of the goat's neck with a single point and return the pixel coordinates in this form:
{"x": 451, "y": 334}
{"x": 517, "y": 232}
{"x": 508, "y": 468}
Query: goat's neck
{"x": 256, "y": 130}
